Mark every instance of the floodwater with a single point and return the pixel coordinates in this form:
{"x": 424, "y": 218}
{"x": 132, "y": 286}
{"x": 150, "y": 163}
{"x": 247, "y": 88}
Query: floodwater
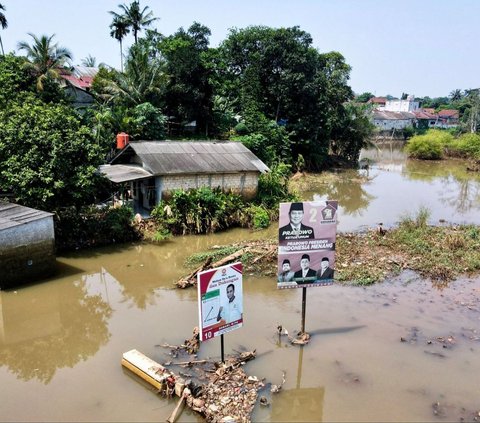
{"x": 403, "y": 350}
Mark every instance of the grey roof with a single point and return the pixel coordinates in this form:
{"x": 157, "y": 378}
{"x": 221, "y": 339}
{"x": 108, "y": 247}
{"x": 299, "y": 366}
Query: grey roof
{"x": 82, "y": 71}
{"x": 388, "y": 115}
{"x": 122, "y": 173}
{"x": 15, "y": 215}
{"x": 180, "y": 157}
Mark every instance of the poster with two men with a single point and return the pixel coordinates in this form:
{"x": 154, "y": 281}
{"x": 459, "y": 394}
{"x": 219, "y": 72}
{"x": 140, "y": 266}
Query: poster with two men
{"x": 306, "y": 244}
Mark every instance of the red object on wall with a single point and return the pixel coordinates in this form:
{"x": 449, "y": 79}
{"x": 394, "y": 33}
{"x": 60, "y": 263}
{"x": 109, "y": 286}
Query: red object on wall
{"x": 122, "y": 140}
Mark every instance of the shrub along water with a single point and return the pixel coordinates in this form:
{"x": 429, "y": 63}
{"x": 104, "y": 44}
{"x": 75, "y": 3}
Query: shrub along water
{"x": 93, "y": 227}
{"x": 435, "y": 144}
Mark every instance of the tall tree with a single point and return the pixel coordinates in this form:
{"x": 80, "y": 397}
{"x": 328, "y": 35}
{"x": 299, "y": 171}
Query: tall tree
{"x": 3, "y": 24}
{"x": 119, "y": 29}
{"x": 277, "y": 75}
{"x": 136, "y": 18}
{"x": 189, "y": 92}
{"x": 456, "y": 95}
{"x": 143, "y": 81}
{"x": 46, "y": 58}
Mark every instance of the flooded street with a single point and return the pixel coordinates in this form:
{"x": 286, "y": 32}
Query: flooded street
{"x": 403, "y": 350}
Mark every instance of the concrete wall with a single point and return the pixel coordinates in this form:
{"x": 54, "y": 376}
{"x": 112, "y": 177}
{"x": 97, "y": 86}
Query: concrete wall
{"x": 387, "y": 124}
{"x": 244, "y": 184}
{"x": 27, "y": 252}
{"x": 401, "y": 105}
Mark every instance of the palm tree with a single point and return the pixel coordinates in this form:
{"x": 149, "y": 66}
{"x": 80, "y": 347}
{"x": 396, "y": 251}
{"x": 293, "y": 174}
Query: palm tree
{"x": 89, "y": 61}
{"x": 134, "y": 17}
{"x": 45, "y": 58}
{"x": 3, "y": 24}
{"x": 456, "y": 95}
{"x": 119, "y": 29}
{"x": 144, "y": 79}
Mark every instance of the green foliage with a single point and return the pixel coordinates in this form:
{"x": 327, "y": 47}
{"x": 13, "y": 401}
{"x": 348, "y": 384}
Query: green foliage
{"x": 200, "y": 211}
{"x": 259, "y": 216}
{"x": 189, "y": 94}
{"x": 351, "y": 132}
{"x": 273, "y": 187}
{"x": 14, "y": 78}
{"x": 300, "y": 163}
{"x": 45, "y": 58}
{"x": 429, "y": 146}
{"x": 48, "y": 158}
{"x": 241, "y": 129}
{"x": 364, "y": 97}
{"x": 89, "y": 227}
{"x": 148, "y": 123}
{"x": 215, "y": 254}
{"x": 276, "y": 75}
{"x": 467, "y": 145}
{"x": 143, "y": 81}
{"x": 408, "y": 132}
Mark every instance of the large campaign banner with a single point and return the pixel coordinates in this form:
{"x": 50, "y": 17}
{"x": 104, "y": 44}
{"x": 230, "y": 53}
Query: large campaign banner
{"x": 306, "y": 244}
{"x": 220, "y": 300}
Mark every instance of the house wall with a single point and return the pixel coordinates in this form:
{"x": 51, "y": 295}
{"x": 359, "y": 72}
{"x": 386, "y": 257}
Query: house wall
{"x": 27, "y": 252}
{"x": 244, "y": 184}
{"x": 386, "y": 124}
{"x": 401, "y": 105}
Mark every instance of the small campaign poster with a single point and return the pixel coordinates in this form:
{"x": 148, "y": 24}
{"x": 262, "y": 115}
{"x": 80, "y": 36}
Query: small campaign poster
{"x": 220, "y": 302}
{"x": 306, "y": 244}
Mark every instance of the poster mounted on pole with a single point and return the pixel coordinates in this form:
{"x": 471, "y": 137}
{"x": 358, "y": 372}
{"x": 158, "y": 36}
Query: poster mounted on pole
{"x": 306, "y": 244}
{"x": 220, "y": 300}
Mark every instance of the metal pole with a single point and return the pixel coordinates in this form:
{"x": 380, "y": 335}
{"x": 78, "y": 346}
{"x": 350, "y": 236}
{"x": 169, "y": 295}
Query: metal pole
{"x": 299, "y": 369}
{"x": 222, "y": 348}
{"x": 304, "y": 306}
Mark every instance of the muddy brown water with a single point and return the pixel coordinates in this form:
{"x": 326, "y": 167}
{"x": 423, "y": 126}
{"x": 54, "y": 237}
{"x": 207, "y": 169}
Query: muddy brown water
{"x": 403, "y": 350}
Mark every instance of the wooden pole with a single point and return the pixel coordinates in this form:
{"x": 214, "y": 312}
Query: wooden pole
{"x": 304, "y": 306}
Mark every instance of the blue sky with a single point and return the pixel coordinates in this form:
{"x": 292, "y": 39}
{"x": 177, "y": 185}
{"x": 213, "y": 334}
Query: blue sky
{"x": 422, "y": 47}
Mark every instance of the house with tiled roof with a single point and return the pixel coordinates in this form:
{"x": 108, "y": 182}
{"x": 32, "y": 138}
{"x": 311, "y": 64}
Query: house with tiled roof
{"x": 152, "y": 170}
{"x": 77, "y": 83}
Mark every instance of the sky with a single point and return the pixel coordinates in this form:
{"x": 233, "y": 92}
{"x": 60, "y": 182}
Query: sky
{"x": 419, "y": 47}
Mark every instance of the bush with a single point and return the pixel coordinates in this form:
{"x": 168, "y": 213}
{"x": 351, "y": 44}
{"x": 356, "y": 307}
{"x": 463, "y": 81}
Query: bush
{"x": 467, "y": 145}
{"x": 273, "y": 187}
{"x": 200, "y": 211}
{"x": 259, "y": 217}
{"x": 91, "y": 227}
{"x": 241, "y": 129}
{"x": 429, "y": 146}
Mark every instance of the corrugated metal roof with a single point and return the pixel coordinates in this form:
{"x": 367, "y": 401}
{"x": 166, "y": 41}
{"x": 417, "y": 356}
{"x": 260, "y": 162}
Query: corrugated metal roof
{"x": 389, "y": 115}
{"x": 180, "y": 157}
{"x": 122, "y": 173}
{"x": 14, "y": 215}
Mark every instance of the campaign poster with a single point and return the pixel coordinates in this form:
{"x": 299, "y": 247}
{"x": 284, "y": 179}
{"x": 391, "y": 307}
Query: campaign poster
{"x": 306, "y": 244}
{"x": 220, "y": 300}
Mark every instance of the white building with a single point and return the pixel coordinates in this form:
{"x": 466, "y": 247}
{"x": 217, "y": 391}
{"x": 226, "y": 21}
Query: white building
{"x": 408, "y": 105}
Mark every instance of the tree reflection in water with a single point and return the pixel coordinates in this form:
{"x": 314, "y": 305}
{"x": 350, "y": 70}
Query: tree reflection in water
{"x": 345, "y": 185}
{"x": 460, "y": 188}
{"x": 50, "y": 326}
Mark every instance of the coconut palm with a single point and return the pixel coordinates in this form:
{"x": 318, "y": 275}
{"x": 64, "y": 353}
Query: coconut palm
{"x": 456, "y": 95}
{"x": 45, "y": 57}
{"x": 134, "y": 17}
{"x": 119, "y": 29}
{"x": 143, "y": 81}
{"x": 3, "y": 24}
{"x": 89, "y": 61}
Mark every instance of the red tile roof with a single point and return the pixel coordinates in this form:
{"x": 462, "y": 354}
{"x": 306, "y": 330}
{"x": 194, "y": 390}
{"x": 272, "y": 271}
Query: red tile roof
{"x": 85, "y": 82}
{"x": 448, "y": 114}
